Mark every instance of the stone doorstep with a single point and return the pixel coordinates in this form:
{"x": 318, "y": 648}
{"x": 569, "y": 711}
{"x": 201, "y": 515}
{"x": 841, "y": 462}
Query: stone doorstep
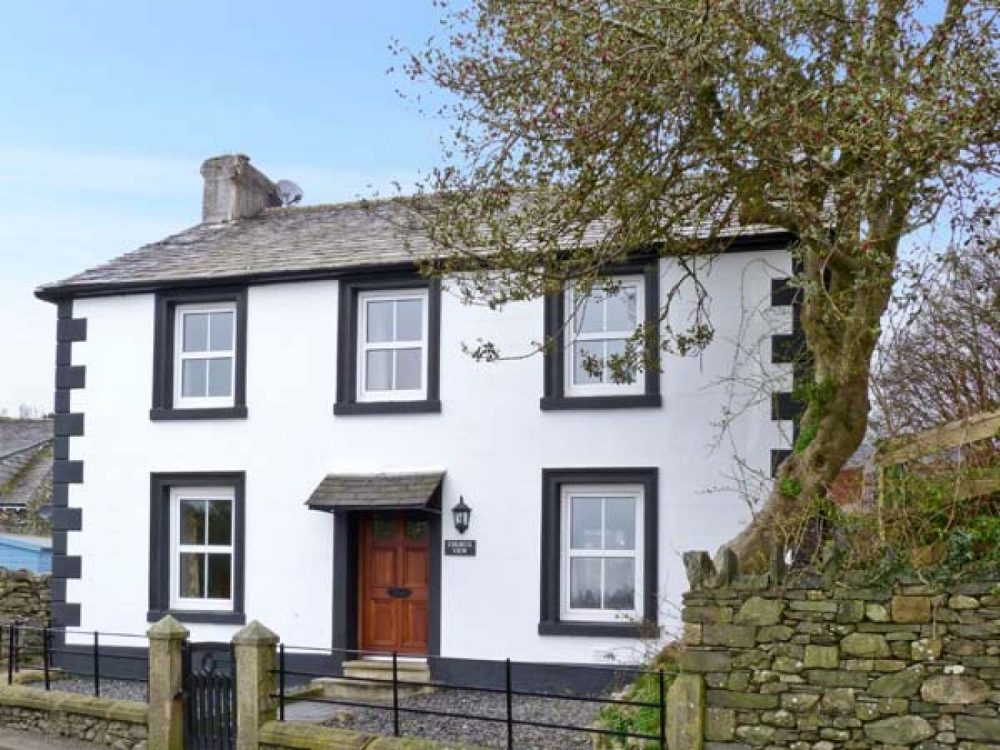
{"x": 371, "y": 680}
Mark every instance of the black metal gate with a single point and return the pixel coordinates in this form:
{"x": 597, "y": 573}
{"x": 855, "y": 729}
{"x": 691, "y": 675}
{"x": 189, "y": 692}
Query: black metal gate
{"x": 209, "y": 696}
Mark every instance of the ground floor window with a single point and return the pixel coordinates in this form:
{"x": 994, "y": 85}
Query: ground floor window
{"x": 201, "y": 547}
{"x": 602, "y": 554}
{"x": 196, "y": 546}
{"x": 599, "y": 551}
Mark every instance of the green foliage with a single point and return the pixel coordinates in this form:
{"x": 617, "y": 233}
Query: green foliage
{"x": 639, "y": 719}
{"x": 790, "y": 486}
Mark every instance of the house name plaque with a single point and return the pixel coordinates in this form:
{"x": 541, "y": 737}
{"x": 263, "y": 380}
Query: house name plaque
{"x": 460, "y": 547}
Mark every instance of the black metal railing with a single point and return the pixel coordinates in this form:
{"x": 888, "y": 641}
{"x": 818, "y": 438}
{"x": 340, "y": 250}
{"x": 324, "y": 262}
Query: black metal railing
{"x": 505, "y": 687}
{"x": 86, "y": 656}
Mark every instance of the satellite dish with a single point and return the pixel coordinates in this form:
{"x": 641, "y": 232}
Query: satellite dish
{"x": 289, "y": 192}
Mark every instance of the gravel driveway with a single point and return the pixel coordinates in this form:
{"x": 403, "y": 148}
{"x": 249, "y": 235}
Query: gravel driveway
{"x": 483, "y": 733}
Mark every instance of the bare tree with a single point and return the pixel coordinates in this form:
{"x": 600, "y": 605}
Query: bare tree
{"x": 586, "y": 129}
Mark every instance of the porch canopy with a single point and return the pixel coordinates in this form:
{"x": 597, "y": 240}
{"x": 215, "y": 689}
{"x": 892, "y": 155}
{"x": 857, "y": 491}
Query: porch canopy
{"x": 408, "y": 491}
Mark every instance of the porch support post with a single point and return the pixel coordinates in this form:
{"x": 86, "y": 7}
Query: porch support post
{"x": 256, "y": 682}
{"x": 166, "y": 704}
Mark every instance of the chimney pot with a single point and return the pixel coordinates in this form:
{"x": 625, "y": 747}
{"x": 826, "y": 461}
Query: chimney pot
{"x": 234, "y": 189}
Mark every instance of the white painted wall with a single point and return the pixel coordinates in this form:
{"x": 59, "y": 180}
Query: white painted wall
{"x": 491, "y": 437}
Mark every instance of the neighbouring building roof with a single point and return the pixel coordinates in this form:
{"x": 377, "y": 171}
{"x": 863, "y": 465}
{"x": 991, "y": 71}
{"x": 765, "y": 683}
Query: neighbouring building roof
{"x": 292, "y": 242}
{"x": 25, "y": 460}
{"x": 376, "y": 491}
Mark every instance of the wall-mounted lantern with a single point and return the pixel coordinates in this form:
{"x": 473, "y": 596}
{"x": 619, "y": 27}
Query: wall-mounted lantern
{"x": 461, "y": 514}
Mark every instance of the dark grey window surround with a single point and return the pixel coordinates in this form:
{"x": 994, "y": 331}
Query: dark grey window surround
{"x": 159, "y": 544}
{"x": 163, "y": 353}
{"x": 552, "y": 482}
{"x": 555, "y": 360}
{"x": 347, "y": 345}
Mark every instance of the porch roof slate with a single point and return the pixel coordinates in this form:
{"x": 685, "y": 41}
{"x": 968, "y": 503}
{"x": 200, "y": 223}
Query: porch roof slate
{"x": 411, "y": 490}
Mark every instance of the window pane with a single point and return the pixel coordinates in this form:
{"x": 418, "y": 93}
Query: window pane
{"x": 616, "y": 348}
{"x": 622, "y": 312}
{"x": 194, "y": 377}
{"x": 619, "y": 583}
{"x": 585, "y": 528}
{"x": 416, "y": 530}
{"x": 192, "y": 566}
{"x": 408, "y": 369}
{"x": 220, "y": 377}
{"x": 219, "y": 566}
{"x": 619, "y": 523}
{"x": 195, "y": 332}
{"x": 220, "y": 522}
{"x": 585, "y": 583}
{"x": 590, "y": 314}
{"x": 384, "y": 527}
{"x": 379, "y": 320}
{"x": 409, "y": 320}
{"x": 221, "y": 331}
{"x": 192, "y": 521}
{"x": 587, "y": 354}
{"x": 378, "y": 370}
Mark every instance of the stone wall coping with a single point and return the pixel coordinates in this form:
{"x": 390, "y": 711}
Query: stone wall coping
{"x": 130, "y": 712}
{"x": 297, "y": 735}
{"x": 302, "y": 736}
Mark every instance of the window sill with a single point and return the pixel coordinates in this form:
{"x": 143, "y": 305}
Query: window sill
{"x": 172, "y": 415}
{"x": 560, "y": 403}
{"x": 598, "y": 629}
{"x": 430, "y": 406}
{"x": 199, "y": 616}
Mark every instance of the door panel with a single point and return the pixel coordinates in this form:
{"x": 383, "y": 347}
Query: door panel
{"x": 394, "y": 573}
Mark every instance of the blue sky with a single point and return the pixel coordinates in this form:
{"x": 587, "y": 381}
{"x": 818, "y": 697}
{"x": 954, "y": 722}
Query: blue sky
{"x": 110, "y": 107}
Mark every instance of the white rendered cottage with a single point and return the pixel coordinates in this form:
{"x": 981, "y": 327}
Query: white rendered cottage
{"x": 270, "y": 416}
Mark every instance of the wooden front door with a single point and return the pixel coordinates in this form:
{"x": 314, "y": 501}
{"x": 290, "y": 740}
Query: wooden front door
{"x": 394, "y": 575}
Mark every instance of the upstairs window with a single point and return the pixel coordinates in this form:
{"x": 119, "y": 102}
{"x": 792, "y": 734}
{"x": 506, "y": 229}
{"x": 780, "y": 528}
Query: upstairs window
{"x": 392, "y": 336}
{"x": 600, "y": 326}
{"x": 586, "y": 332}
{"x": 205, "y": 371}
{"x": 388, "y": 345}
{"x": 199, "y": 354}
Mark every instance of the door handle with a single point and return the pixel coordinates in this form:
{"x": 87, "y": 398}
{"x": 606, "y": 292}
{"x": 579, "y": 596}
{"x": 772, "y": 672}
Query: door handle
{"x": 399, "y": 592}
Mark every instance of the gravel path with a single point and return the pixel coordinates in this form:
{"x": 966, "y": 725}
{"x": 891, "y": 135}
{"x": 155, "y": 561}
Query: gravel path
{"x": 483, "y": 733}
{"x": 117, "y": 689}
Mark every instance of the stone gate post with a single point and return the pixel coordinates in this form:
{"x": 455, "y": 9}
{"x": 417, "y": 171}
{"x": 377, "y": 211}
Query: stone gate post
{"x": 256, "y": 683}
{"x": 166, "y": 704}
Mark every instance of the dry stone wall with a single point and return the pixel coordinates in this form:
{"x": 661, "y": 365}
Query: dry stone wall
{"x": 812, "y": 666}
{"x": 24, "y": 597}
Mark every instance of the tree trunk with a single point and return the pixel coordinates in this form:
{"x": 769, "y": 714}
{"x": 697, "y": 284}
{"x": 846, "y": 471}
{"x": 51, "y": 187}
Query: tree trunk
{"x": 840, "y": 320}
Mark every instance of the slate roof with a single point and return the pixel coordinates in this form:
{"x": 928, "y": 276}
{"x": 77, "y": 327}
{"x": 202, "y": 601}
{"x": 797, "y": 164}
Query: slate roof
{"x": 385, "y": 491}
{"x": 276, "y": 241}
{"x": 287, "y": 241}
{"x": 25, "y": 460}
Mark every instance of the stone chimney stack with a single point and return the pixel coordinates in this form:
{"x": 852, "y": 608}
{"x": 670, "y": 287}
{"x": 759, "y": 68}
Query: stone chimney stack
{"x": 234, "y": 189}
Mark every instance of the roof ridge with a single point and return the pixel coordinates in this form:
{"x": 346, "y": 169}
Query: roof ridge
{"x": 33, "y": 446}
